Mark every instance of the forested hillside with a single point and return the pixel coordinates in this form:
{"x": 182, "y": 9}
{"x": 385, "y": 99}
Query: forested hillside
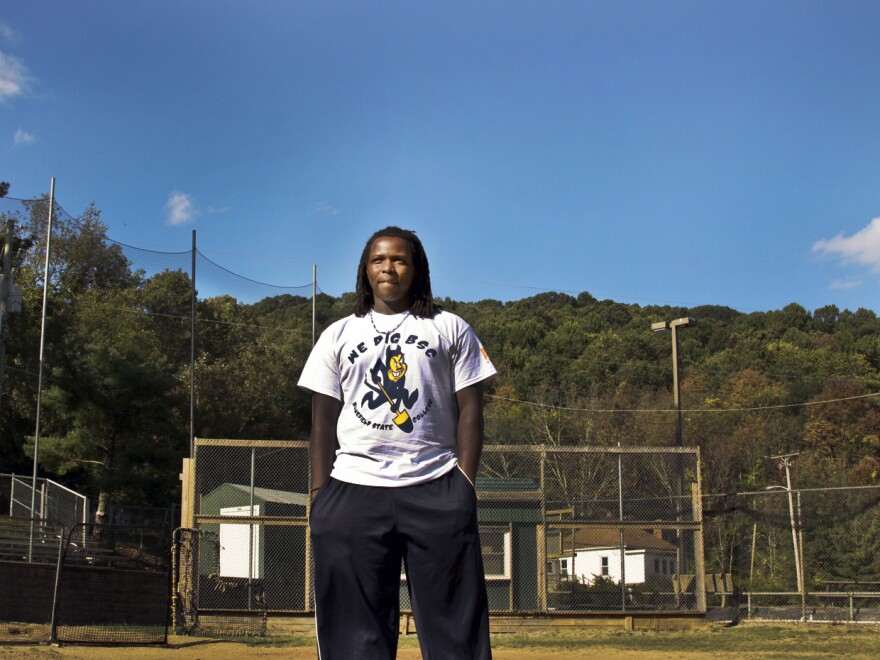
{"x": 572, "y": 370}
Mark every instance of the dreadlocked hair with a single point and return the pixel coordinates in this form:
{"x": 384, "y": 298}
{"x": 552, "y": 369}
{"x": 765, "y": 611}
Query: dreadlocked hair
{"x": 423, "y": 305}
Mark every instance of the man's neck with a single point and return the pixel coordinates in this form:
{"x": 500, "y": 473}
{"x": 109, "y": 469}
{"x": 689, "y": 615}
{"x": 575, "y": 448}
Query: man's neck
{"x": 391, "y": 309}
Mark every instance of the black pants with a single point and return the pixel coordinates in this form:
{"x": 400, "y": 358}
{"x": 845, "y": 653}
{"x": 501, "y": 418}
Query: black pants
{"x": 359, "y": 536}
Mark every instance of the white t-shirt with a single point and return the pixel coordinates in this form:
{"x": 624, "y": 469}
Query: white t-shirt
{"x": 397, "y": 426}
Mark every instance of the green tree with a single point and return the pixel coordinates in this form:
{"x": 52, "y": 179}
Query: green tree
{"x": 111, "y": 411}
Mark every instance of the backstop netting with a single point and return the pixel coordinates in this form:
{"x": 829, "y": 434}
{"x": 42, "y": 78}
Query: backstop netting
{"x": 114, "y": 586}
{"x": 808, "y": 554}
{"x": 29, "y": 554}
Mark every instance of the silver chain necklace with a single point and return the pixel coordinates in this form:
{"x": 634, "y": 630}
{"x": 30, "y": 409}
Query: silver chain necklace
{"x": 382, "y": 332}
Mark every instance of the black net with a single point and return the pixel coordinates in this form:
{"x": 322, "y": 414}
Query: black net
{"x": 809, "y": 554}
{"x": 114, "y": 586}
{"x": 189, "y": 617}
{"x": 29, "y": 554}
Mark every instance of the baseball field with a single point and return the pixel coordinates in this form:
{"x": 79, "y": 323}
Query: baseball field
{"x": 748, "y": 641}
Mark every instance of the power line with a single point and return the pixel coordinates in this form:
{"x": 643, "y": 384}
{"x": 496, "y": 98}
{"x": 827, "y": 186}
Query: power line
{"x": 274, "y": 286}
{"x": 688, "y": 410}
{"x": 339, "y": 267}
{"x": 215, "y": 322}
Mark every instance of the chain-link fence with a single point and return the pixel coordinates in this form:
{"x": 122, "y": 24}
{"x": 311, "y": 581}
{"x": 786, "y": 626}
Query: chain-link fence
{"x": 592, "y": 529}
{"x": 562, "y": 530}
{"x": 51, "y": 502}
{"x": 250, "y": 533}
{"x": 810, "y": 554}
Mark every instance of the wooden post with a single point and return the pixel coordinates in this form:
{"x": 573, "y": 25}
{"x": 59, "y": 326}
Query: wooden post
{"x": 541, "y": 536}
{"x": 699, "y": 560}
{"x": 752, "y": 564}
{"x": 187, "y": 493}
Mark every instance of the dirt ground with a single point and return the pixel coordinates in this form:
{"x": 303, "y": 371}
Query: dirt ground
{"x": 223, "y": 650}
{"x": 743, "y": 642}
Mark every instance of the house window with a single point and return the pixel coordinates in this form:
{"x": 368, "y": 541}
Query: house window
{"x": 495, "y": 542}
{"x": 656, "y": 565}
{"x": 563, "y": 567}
{"x": 604, "y": 561}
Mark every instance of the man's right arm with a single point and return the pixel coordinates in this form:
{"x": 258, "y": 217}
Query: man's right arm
{"x": 322, "y": 442}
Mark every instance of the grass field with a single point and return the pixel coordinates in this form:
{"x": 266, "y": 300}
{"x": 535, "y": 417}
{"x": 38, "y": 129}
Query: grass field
{"x": 700, "y": 643}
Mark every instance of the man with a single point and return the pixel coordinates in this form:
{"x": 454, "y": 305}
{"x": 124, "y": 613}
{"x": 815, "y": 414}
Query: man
{"x": 397, "y": 432}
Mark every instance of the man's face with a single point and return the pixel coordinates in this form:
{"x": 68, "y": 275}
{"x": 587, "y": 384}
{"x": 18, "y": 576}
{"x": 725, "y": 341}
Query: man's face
{"x": 390, "y": 272}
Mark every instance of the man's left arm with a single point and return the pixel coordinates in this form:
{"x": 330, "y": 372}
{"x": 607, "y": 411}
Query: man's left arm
{"x": 470, "y": 429}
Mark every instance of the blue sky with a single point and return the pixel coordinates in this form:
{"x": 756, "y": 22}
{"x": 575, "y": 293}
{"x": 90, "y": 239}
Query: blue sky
{"x": 682, "y": 152}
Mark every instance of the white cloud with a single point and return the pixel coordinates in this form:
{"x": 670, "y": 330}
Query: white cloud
{"x": 861, "y": 248}
{"x": 325, "y": 209}
{"x": 846, "y": 284}
{"x": 15, "y": 79}
{"x": 179, "y": 209}
{"x": 23, "y": 137}
{"x": 7, "y": 33}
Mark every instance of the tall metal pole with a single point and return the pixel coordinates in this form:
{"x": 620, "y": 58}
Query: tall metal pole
{"x": 192, "y": 355}
{"x": 40, "y": 364}
{"x": 622, "y": 538}
{"x": 4, "y": 296}
{"x": 662, "y": 326}
{"x": 314, "y": 299}
{"x": 679, "y": 477}
{"x": 251, "y": 533}
{"x": 676, "y": 388}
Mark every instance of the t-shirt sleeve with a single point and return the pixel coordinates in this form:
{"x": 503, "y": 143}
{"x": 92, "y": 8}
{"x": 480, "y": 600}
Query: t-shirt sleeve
{"x": 471, "y": 361}
{"x": 321, "y": 372}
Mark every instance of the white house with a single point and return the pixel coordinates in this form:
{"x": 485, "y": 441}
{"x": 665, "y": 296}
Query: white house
{"x": 594, "y": 552}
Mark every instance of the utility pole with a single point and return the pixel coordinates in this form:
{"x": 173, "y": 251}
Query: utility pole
{"x": 5, "y": 289}
{"x": 787, "y": 461}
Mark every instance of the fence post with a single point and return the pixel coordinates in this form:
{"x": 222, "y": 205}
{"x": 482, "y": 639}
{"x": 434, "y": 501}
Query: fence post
{"x": 541, "y": 537}
{"x": 622, "y": 538}
{"x": 56, "y": 593}
{"x": 699, "y": 559}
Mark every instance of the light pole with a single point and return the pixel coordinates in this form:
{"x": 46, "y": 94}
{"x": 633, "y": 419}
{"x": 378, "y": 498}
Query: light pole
{"x": 663, "y": 326}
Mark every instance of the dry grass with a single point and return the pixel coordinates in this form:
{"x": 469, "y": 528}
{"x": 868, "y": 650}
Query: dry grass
{"x": 746, "y": 641}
